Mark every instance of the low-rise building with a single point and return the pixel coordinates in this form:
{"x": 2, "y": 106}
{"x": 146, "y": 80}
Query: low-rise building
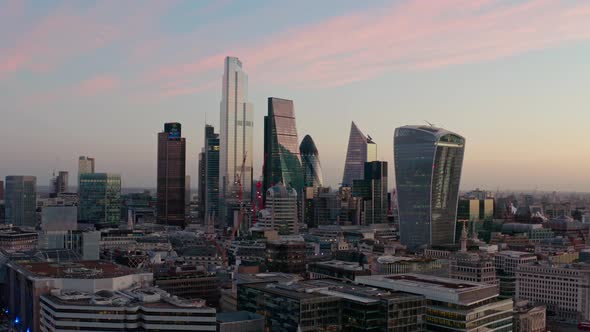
{"x": 239, "y": 321}
{"x": 529, "y": 317}
{"x": 391, "y": 265}
{"x": 28, "y": 281}
{"x": 139, "y": 309}
{"x": 506, "y": 263}
{"x": 472, "y": 267}
{"x": 563, "y": 288}
{"x": 335, "y": 269}
{"x": 16, "y": 239}
{"x": 452, "y": 305}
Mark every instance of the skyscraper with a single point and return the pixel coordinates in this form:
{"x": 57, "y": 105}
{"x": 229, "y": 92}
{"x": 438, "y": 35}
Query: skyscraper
{"x": 235, "y": 133}
{"x": 85, "y": 166}
{"x": 59, "y": 184}
{"x": 282, "y": 162}
{"x": 1, "y": 190}
{"x": 171, "y": 175}
{"x": 212, "y": 175}
{"x": 21, "y": 200}
{"x": 373, "y": 191}
{"x": 361, "y": 149}
{"x": 310, "y": 161}
{"x": 100, "y": 199}
{"x": 428, "y": 162}
{"x": 209, "y": 133}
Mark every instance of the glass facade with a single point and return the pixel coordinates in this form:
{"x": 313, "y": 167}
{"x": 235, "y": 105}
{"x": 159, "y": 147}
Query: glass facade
{"x": 171, "y": 178}
{"x": 235, "y": 133}
{"x": 361, "y": 149}
{"x": 212, "y": 175}
{"x": 428, "y": 164}
{"x": 310, "y": 161}
{"x": 100, "y": 199}
{"x": 21, "y": 200}
{"x": 373, "y": 191}
{"x": 281, "y": 146}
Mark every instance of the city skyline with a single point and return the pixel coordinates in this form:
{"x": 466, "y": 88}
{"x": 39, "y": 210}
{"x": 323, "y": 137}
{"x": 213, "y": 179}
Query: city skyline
{"x": 515, "y": 98}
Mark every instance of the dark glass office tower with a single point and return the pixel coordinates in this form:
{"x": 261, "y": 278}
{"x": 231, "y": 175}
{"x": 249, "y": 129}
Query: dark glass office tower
{"x": 212, "y": 175}
{"x": 209, "y": 133}
{"x": 100, "y": 199}
{"x": 361, "y": 149}
{"x": 171, "y": 175}
{"x": 428, "y": 162}
{"x": 21, "y": 200}
{"x": 282, "y": 162}
{"x": 310, "y": 161}
{"x": 373, "y": 191}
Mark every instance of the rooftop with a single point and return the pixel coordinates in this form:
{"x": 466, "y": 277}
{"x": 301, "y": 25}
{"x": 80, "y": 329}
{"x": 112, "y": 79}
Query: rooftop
{"x": 436, "y": 288}
{"x": 74, "y": 270}
{"x": 237, "y": 316}
{"x": 150, "y": 297}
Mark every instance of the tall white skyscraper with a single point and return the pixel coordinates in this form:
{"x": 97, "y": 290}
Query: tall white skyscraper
{"x": 235, "y": 133}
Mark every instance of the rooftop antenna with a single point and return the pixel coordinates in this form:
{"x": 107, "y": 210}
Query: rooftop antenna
{"x": 430, "y": 124}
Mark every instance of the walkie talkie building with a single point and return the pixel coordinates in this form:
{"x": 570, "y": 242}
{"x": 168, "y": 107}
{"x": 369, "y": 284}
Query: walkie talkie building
{"x": 428, "y": 162}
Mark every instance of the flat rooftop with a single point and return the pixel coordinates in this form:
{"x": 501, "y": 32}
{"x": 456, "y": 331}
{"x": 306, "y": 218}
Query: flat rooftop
{"x": 74, "y": 270}
{"x": 237, "y": 316}
{"x": 435, "y": 288}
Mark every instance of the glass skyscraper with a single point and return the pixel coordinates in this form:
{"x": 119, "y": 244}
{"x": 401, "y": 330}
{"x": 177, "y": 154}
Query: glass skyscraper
{"x": 361, "y": 149}
{"x": 282, "y": 162}
{"x": 171, "y": 176}
{"x": 310, "y": 161}
{"x": 209, "y": 132}
{"x": 235, "y": 133}
{"x": 212, "y": 175}
{"x": 21, "y": 200}
{"x": 373, "y": 191}
{"x": 428, "y": 162}
{"x": 100, "y": 199}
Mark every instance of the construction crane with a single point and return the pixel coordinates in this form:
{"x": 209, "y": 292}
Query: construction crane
{"x": 223, "y": 249}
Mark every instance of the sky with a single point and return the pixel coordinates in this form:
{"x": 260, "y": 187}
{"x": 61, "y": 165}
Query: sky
{"x": 100, "y": 78}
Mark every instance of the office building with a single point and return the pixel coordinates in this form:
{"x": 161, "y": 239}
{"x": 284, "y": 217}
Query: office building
{"x": 1, "y": 190}
{"x": 473, "y": 267}
{"x": 529, "y": 317}
{"x": 100, "y": 199}
{"x": 428, "y": 162}
{"x": 451, "y": 305}
{"x": 59, "y": 218}
{"x": 171, "y": 176}
{"x": 372, "y": 189}
{"x": 288, "y": 308}
{"x": 140, "y": 309}
{"x": 563, "y": 288}
{"x": 282, "y": 161}
{"x": 287, "y": 256}
{"x": 15, "y": 239}
{"x": 235, "y": 135}
{"x": 506, "y": 263}
{"x": 85, "y": 166}
{"x": 239, "y": 321}
{"x": 29, "y": 281}
{"x": 310, "y": 161}
{"x": 361, "y": 149}
{"x": 21, "y": 201}
{"x": 280, "y": 213}
{"x": 202, "y": 194}
{"x": 59, "y": 183}
{"x": 212, "y": 176}
{"x": 188, "y": 283}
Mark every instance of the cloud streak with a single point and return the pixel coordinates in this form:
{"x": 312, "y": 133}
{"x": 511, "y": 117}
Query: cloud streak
{"x": 413, "y": 35}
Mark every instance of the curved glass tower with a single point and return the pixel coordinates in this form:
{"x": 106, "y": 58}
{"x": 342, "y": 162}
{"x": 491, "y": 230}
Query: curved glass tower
{"x": 428, "y": 162}
{"x": 361, "y": 149}
{"x": 310, "y": 161}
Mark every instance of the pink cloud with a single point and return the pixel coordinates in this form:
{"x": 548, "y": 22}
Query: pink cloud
{"x": 97, "y": 85}
{"x": 413, "y": 35}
